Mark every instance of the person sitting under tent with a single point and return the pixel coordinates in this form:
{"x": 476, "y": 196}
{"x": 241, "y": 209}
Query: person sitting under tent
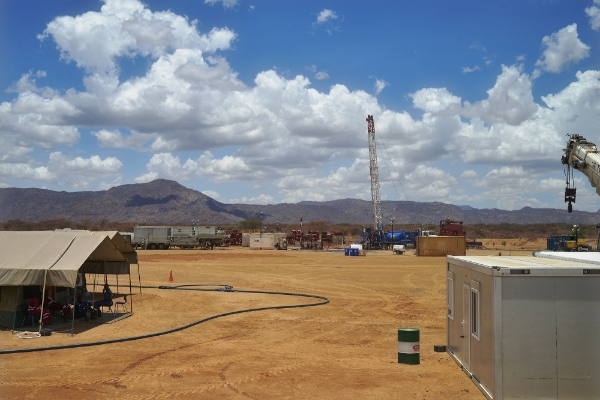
{"x": 83, "y": 309}
{"x": 106, "y": 301}
{"x": 56, "y": 306}
{"x": 35, "y": 308}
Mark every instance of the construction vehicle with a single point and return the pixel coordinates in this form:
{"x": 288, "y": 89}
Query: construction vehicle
{"x": 567, "y": 243}
{"x": 450, "y": 227}
{"x": 184, "y": 237}
{"x": 581, "y": 155}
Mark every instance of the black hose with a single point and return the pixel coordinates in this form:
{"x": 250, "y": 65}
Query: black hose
{"x": 226, "y": 288}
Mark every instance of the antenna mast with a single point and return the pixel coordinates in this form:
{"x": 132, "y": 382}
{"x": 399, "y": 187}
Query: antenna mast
{"x": 375, "y": 194}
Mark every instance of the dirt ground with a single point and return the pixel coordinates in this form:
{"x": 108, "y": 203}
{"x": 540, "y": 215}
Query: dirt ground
{"x": 346, "y": 349}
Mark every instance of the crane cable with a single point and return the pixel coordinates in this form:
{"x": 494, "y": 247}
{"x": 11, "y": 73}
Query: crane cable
{"x": 388, "y": 169}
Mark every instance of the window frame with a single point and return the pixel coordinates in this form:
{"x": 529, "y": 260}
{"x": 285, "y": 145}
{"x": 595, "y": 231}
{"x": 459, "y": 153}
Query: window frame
{"x": 450, "y": 294}
{"x": 475, "y": 317}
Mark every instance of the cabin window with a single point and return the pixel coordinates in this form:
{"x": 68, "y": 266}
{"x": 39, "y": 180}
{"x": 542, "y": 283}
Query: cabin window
{"x": 475, "y": 310}
{"x": 450, "y": 294}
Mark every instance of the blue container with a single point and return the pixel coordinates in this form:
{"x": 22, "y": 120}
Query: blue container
{"x": 354, "y": 252}
{"x": 347, "y": 251}
{"x": 398, "y": 236}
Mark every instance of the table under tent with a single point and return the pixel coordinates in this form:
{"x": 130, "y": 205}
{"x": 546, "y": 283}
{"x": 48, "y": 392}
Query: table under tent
{"x": 31, "y": 262}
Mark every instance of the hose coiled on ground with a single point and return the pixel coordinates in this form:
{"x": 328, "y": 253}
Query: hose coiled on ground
{"x": 194, "y": 287}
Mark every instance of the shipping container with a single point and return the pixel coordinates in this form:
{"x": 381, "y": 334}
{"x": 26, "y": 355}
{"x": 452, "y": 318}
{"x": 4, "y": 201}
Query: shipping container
{"x": 437, "y": 246}
{"x": 262, "y": 243}
{"x": 245, "y": 240}
{"x": 526, "y": 327}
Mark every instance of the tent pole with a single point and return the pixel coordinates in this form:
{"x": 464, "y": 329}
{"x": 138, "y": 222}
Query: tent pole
{"x": 139, "y": 277}
{"x": 74, "y": 306}
{"x": 16, "y": 305}
{"x": 130, "y": 294}
{"x": 43, "y": 298}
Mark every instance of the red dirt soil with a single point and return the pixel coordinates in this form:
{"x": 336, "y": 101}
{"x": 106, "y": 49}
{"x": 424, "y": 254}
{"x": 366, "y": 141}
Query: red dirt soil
{"x": 346, "y": 349}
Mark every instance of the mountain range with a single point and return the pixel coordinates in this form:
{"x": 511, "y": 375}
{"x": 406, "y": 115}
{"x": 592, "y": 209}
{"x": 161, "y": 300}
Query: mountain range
{"x": 168, "y": 202}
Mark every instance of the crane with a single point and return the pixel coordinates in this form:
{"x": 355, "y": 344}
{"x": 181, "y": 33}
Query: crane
{"x": 583, "y": 156}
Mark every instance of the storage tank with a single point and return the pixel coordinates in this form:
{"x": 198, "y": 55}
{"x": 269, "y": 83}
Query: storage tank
{"x": 398, "y": 236}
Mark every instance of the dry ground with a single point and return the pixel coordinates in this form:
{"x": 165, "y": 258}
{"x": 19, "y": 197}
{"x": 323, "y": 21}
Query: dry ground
{"x": 346, "y": 349}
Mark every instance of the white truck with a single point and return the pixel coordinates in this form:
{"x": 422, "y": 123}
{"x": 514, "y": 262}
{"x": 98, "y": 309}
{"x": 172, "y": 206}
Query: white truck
{"x": 184, "y": 237}
{"x": 398, "y": 249}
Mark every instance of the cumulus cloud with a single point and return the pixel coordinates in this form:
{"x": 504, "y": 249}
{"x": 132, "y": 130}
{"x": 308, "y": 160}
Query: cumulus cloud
{"x": 380, "y": 84}
{"x": 562, "y": 48}
{"x": 434, "y": 99}
{"x": 326, "y": 15}
{"x": 510, "y": 101}
{"x": 94, "y": 40}
{"x": 321, "y": 75}
{"x": 594, "y": 13}
{"x": 76, "y": 172}
{"x": 469, "y": 174}
{"x": 198, "y": 120}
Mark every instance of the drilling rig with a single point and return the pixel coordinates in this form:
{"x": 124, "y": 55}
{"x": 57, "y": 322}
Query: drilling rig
{"x": 374, "y": 238}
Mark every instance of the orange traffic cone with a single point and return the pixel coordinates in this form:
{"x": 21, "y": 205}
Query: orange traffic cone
{"x": 171, "y": 276}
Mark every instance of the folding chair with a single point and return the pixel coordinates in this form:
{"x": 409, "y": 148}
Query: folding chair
{"x": 123, "y": 305}
{"x": 26, "y": 316}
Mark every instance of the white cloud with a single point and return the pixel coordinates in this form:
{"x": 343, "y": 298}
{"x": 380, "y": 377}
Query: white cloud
{"x": 467, "y": 70}
{"x": 76, "y": 172}
{"x": 200, "y": 120}
{"x": 469, "y": 174}
{"x": 429, "y": 184}
{"x": 321, "y": 75}
{"x": 226, "y": 3}
{"x": 594, "y": 13}
{"x": 326, "y": 15}
{"x": 510, "y": 101}
{"x": 380, "y": 84}
{"x": 94, "y": 40}
{"x": 562, "y": 48}
{"x": 434, "y": 99}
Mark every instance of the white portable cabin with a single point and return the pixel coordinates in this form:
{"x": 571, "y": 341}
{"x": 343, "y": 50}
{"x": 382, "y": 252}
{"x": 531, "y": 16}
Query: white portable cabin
{"x": 526, "y": 327}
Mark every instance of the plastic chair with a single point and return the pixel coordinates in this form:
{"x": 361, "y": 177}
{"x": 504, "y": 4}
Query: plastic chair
{"x": 123, "y": 305}
{"x": 26, "y": 316}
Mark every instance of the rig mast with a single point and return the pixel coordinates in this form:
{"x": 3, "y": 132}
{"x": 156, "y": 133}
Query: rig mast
{"x": 375, "y": 194}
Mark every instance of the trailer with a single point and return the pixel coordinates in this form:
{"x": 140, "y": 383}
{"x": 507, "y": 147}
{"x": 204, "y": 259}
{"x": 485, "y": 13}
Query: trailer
{"x": 184, "y": 237}
{"x": 526, "y": 327}
{"x": 567, "y": 243}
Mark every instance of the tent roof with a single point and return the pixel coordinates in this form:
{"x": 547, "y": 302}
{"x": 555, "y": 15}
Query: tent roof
{"x": 29, "y": 256}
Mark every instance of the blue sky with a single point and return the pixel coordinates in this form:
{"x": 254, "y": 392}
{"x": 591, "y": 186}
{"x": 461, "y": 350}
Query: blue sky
{"x": 265, "y": 101}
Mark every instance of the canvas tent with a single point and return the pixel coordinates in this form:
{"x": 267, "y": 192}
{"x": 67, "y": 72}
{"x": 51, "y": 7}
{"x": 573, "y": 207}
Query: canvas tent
{"x": 55, "y": 259}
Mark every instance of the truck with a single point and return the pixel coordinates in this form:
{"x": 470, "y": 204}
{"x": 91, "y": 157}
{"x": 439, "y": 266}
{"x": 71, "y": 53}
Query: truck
{"x": 184, "y": 237}
{"x": 567, "y": 243}
{"x": 449, "y": 227}
{"x": 398, "y": 249}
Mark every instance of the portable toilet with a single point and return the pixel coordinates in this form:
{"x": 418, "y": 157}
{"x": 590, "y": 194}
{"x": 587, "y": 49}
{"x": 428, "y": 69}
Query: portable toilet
{"x": 526, "y": 327}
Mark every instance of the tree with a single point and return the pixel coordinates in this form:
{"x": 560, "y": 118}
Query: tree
{"x": 250, "y": 223}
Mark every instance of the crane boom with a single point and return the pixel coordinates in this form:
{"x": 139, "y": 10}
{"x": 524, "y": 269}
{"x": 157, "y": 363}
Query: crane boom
{"x": 583, "y": 156}
{"x": 375, "y": 194}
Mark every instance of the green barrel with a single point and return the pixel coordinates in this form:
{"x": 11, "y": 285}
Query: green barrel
{"x": 409, "y": 346}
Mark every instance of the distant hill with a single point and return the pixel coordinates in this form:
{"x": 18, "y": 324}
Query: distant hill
{"x": 165, "y": 201}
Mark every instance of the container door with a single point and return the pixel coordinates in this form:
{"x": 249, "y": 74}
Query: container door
{"x": 466, "y": 325}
